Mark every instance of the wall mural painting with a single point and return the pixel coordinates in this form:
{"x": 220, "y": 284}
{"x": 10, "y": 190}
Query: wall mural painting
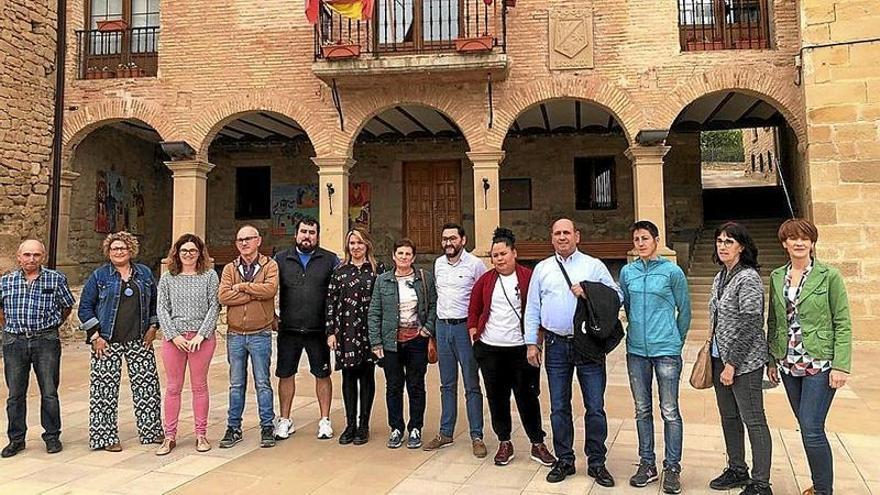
{"x": 290, "y": 202}
{"x": 119, "y": 203}
{"x": 359, "y": 196}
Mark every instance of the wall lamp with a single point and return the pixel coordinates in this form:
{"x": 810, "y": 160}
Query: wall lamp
{"x": 330, "y": 192}
{"x": 652, "y": 137}
{"x": 486, "y": 187}
{"x": 178, "y": 150}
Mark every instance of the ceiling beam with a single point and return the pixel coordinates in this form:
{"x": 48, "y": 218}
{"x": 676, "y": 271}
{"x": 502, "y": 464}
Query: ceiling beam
{"x": 751, "y": 109}
{"x": 577, "y": 114}
{"x": 260, "y": 127}
{"x": 718, "y": 108}
{"x": 240, "y": 127}
{"x": 546, "y": 117}
{"x": 450, "y": 122}
{"x": 386, "y": 124}
{"x": 230, "y": 133}
{"x": 610, "y": 123}
{"x": 294, "y": 124}
{"x": 414, "y": 120}
{"x": 516, "y": 127}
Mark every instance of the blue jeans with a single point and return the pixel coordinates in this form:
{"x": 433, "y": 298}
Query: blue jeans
{"x": 20, "y": 353}
{"x": 591, "y": 377}
{"x": 641, "y": 376}
{"x": 810, "y": 398}
{"x": 454, "y": 348}
{"x": 258, "y": 346}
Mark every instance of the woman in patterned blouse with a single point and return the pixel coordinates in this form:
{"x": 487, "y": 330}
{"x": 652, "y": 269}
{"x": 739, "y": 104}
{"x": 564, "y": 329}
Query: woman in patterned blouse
{"x": 810, "y": 337}
{"x": 348, "y": 302}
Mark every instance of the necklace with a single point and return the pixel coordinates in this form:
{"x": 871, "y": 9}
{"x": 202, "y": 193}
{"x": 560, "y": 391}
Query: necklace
{"x": 404, "y": 275}
{"x": 128, "y": 290}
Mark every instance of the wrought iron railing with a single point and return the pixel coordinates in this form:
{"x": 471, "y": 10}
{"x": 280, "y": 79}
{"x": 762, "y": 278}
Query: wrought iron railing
{"x": 413, "y": 26}
{"x": 723, "y": 24}
{"x": 131, "y": 52}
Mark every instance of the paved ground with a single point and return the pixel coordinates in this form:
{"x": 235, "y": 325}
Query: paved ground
{"x": 304, "y": 464}
{"x": 719, "y": 179}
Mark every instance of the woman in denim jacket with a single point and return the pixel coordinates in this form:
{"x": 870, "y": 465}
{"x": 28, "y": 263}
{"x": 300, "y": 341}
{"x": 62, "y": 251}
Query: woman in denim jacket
{"x": 118, "y": 314}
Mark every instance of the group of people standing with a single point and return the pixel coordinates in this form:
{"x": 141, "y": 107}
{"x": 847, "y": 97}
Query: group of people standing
{"x": 503, "y": 323}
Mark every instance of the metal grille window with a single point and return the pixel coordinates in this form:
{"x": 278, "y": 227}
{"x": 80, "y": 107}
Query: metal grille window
{"x": 723, "y": 24}
{"x": 595, "y": 183}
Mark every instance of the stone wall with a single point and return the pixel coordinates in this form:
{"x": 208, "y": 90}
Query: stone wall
{"x": 682, "y": 184}
{"x": 110, "y": 149}
{"x": 842, "y": 94}
{"x": 27, "y": 82}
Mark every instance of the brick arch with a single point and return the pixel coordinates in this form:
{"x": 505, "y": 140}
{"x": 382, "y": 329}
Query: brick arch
{"x": 763, "y": 83}
{"x": 80, "y": 123}
{"x": 592, "y": 89}
{"x": 457, "y": 109}
{"x": 320, "y": 132}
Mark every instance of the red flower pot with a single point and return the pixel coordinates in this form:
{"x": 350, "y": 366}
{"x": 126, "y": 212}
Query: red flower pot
{"x": 474, "y": 45}
{"x": 341, "y": 51}
{"x": 112, "y": 25}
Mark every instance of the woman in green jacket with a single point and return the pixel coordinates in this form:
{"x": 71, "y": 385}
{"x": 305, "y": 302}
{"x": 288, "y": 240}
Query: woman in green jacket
{"x": 401, "y": 320}
{"x": 809, "y": 332}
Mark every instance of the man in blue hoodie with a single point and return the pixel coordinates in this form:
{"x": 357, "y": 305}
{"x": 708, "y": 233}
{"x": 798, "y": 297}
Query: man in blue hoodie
{"x": 658, "y": 308}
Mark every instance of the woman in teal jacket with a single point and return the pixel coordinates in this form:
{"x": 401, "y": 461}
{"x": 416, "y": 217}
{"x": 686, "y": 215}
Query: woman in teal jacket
{"x": 809, "y": 332}
{"x": 403, "y": 310}
{"x": 658, "y": 308}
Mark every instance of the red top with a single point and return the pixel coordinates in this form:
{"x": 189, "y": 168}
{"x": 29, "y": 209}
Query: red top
{"x": 481, "y": 298}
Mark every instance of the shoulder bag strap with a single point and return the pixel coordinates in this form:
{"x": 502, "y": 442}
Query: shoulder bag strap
{"x": 564, "y": 273}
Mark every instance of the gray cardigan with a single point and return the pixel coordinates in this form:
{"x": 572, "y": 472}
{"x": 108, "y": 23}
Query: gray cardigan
{"x": 738, "y": 319}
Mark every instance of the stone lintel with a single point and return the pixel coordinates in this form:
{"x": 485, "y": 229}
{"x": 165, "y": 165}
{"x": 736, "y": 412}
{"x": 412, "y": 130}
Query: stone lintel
{"x": 440, "y": 66}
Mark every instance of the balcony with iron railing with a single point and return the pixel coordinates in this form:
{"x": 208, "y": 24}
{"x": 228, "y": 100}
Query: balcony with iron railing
{"x": 117, "y": 53}
{"x": 407, "y": 36}
{"x": 706, "y": 25}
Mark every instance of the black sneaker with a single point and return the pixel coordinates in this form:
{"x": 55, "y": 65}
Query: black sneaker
{"x": 560, "y": 471}
{"x": 756, "y": 489}
{"x": 232, "y": 437}
{"x": 361, "y": 435}
{"x": 53, "y": 445}
{"x": 267, "y": 437}
{"x": 347, "y": 436}
{"x": 395, "y": 439}
{"x": 671, "y": 480}
{"x": 601, "y": 475}
{"x": 647, "y": 473}
{"x": 730, "y": 478}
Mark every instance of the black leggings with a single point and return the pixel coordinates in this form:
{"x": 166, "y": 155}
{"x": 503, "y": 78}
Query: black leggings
{"x": 358, "y": 382}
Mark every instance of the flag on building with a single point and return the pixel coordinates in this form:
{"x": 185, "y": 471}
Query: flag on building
{"x": 352, "y": 9}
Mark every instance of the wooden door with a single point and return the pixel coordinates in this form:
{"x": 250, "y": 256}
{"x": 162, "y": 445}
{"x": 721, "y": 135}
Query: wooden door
{"x": 432, "y": 197}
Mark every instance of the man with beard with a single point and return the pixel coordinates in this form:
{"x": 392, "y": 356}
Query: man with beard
{"x": 455, "y": 273}
{"x": 304, "y": 273}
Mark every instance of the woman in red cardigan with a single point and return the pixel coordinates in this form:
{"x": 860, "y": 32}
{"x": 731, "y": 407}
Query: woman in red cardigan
{"x": 498, "y": 301}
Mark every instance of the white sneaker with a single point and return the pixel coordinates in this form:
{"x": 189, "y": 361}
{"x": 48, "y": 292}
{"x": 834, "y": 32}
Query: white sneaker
{"x": 325, "y": 431}
{"x": 283, "y": 428}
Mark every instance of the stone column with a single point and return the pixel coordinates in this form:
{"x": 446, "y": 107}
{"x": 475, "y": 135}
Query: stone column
{"x": 648, "y": 196}
{"x": 190, "y": 197}
{"x": 333, "y": 175}
{"x": 487, "y": 209}
{"x": 63, "y": 260}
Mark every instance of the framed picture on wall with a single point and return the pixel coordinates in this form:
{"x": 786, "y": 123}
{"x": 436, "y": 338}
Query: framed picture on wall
{"x": 516, "y": 194}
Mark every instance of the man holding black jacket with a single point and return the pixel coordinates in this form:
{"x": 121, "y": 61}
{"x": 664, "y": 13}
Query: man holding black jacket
{"x": 551, "y": 307}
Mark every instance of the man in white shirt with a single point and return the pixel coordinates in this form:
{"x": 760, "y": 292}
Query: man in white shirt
{"x": 551, "y": 306}
{"x": 455, "y": 273}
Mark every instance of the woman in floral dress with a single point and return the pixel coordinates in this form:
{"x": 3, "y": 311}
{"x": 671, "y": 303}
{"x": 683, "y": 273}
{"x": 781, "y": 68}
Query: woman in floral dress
{"x": 348, "y": 302}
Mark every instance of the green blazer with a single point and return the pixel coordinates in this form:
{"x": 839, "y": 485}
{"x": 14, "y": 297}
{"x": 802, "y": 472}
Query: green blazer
{"x": 823, "y": 309}
{"x": 384, "y": 316}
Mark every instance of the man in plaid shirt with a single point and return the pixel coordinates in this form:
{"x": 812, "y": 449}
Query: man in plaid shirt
{"x": 34, "y": 301}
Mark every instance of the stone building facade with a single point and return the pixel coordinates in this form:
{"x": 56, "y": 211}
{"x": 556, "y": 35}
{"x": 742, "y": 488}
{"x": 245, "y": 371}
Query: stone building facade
{"x": 27, "y": 87}
{"x": 619, "y": 89}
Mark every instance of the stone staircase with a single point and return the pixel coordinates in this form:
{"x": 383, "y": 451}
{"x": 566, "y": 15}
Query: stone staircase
{"x": 702, "y": 270}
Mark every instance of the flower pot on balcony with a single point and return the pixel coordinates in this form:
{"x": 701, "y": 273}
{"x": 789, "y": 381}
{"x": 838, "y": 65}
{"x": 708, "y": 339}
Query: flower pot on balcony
{"x": 112, "y": 25}
{"x": 474, "y": 45}
{"x": 107, "y": 73}
{"x": 341, "y": 51}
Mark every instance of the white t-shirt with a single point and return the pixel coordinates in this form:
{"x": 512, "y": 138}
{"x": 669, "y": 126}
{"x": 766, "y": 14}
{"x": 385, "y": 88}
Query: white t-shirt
{"x": 503, "y": 328}
{"x": 408, "y": 302}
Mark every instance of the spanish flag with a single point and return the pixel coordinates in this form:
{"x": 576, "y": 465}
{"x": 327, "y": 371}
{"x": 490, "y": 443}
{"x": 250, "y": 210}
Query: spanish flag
{"x": 352, "y": 9}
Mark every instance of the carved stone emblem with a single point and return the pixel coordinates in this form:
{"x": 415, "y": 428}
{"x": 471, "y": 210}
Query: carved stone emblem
{"x": 571, "y": 39}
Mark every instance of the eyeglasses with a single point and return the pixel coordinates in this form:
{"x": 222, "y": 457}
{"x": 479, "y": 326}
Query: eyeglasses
{"x": 448, "y": 240}
{"x": 189, "y": 252}
{"x": 728, "y": 243}
{"x": 119, "y": 249}
{"x": 245, "y": 240}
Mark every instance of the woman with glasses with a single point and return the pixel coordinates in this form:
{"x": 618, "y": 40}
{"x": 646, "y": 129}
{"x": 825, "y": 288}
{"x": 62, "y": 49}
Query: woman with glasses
{"x": 810, "y": 335}
{"x": 348, "y": 304}
{"x": 118, "y": 314}
{"x": 402, "y": 315}
{"x": 739, "y": 353}
{"x": 188, "y": 308}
